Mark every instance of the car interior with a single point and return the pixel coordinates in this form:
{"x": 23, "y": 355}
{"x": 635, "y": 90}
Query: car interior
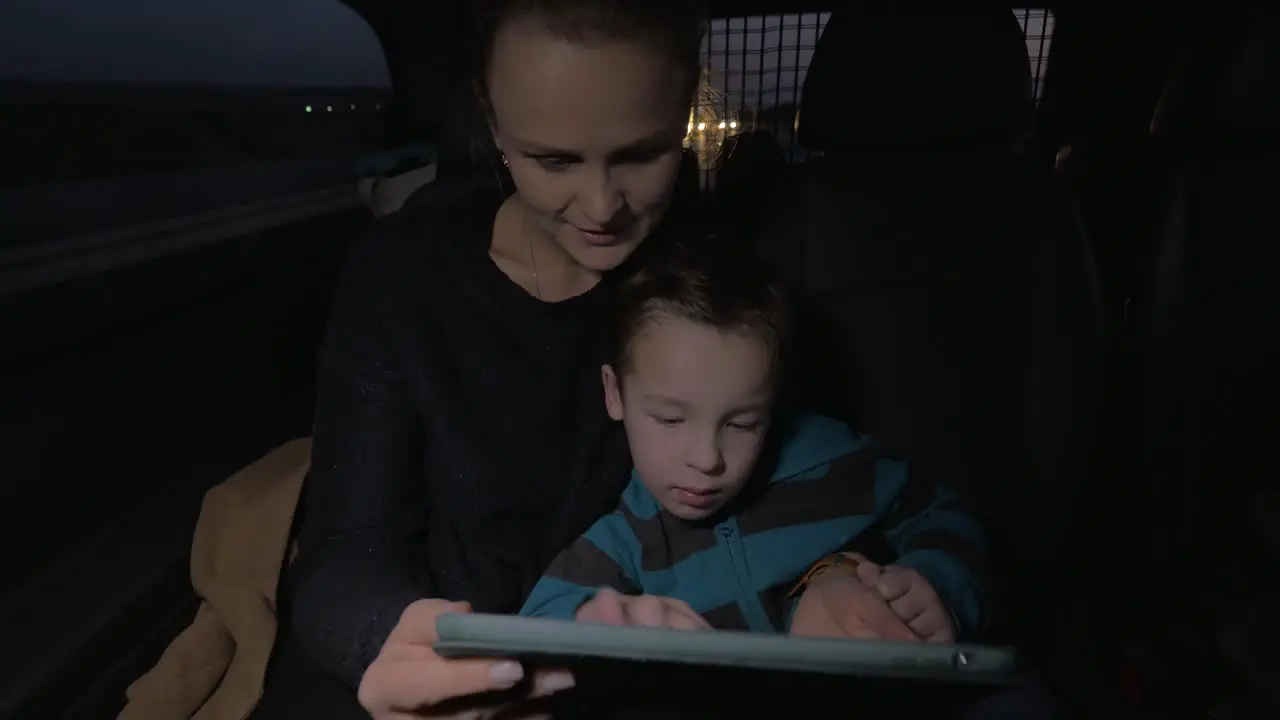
{"x": 1032, "y": 239}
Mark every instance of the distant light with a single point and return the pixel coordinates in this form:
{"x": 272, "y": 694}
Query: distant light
{"x": 328, "y": 108}
{"x": 702, "y": 126}
{"x": 353, "y": 107}
{"x": 690, "y": 129}
{"x": 378, "y": 106}
{"x": 733, "y": 124}
{"x": 308, "y": 108}
{"x": 722, "y": 125}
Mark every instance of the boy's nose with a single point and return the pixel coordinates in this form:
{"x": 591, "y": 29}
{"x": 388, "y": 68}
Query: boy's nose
{"x": 706, "y": 458}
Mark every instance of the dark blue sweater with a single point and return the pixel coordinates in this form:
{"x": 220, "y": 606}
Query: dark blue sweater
{"x": 826, "y": 490}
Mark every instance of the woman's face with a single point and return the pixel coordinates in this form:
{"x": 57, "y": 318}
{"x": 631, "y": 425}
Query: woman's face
{"x": 592, "y": 135}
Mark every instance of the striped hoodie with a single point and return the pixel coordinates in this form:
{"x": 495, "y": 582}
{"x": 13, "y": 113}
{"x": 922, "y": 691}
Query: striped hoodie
{"x": 828, "y": 490}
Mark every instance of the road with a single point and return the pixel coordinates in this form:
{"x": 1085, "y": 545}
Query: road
{"x": 58, "y": 211}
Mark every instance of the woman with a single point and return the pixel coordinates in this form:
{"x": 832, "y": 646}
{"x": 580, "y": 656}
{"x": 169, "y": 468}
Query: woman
{"x": 461, "y": 438}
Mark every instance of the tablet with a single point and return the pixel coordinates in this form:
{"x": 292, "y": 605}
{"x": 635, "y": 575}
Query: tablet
{"x": 480, "y": 635}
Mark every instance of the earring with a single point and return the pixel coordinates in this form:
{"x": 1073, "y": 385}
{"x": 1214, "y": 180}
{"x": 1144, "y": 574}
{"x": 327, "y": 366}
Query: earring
{"x": 505, "y": 162}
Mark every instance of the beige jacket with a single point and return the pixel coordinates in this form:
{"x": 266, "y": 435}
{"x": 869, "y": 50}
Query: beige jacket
{"x": 214, "y": 670}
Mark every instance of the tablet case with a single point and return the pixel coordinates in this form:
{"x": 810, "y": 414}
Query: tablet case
{"x": 480, "y": 635}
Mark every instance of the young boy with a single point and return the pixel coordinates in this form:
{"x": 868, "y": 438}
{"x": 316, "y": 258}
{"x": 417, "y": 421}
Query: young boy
{"x": 731, "y": 499}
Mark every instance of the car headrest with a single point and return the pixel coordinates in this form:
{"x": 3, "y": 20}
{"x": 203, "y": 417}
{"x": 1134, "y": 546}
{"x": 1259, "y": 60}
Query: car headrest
{"x": 903, "y": 72}
{"x": 1251, "y": 95}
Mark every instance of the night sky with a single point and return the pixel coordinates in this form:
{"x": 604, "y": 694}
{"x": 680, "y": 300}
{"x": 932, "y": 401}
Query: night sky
{"x": 275, "y": 43}
{"x": 231, "y": 42}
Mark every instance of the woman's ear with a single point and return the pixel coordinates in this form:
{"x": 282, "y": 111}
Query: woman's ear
{"x": 612, "y": 391}
{"x": 493, "y": 136}
{"x": 480, "y": 98}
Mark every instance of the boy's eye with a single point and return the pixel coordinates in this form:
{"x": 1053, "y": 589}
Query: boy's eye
{"x": 668, "y": 420}
{"x": 746, "y": 425}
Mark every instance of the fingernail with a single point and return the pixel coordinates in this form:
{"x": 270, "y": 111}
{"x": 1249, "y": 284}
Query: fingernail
{"x": 555, "y": 682}
{"x": 506, "y": 673}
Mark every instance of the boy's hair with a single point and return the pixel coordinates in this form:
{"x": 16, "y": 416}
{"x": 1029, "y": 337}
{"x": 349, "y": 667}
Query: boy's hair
{"x": 710, "y": 283}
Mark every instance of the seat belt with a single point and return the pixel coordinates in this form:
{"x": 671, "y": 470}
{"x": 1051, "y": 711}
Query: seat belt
{"x": 1171, "y": 259}
{"x": 1165, "y": 402}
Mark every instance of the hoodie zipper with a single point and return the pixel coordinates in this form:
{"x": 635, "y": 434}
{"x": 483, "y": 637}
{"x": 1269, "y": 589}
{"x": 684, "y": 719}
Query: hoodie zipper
{"x": 748, "y": 598}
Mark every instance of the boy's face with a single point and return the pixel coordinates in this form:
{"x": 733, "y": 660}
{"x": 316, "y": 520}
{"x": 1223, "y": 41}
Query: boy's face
{"x": 696, "y": 405}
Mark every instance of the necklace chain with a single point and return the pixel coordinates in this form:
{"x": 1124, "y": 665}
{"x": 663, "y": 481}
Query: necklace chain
{"x": 533, "y": 260}
{"x": 533, "y": 263}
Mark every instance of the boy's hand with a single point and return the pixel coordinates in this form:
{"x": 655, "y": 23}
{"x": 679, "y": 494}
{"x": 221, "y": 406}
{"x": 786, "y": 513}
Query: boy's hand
{"x": 913, "y": 599}
{"x": 610, "y": 607}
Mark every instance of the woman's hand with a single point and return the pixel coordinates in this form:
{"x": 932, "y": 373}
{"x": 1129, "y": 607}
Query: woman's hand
{"x": 409, "y": 680}
{"x": 840, "y": 604}
{"x": 609, "y": 607}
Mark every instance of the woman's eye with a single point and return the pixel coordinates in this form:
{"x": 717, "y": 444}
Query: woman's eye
{"x": 555, "y": 164}
{"x": 644, "y": 155}
{"x": 640, "y": 157}
{"x": 668, "y": 420}
{"x": 750, "y": 426}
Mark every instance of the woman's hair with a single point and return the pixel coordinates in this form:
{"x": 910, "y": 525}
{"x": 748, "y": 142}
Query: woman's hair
{"x": 710, "y": 282}
{"x": 675, "y": 27}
